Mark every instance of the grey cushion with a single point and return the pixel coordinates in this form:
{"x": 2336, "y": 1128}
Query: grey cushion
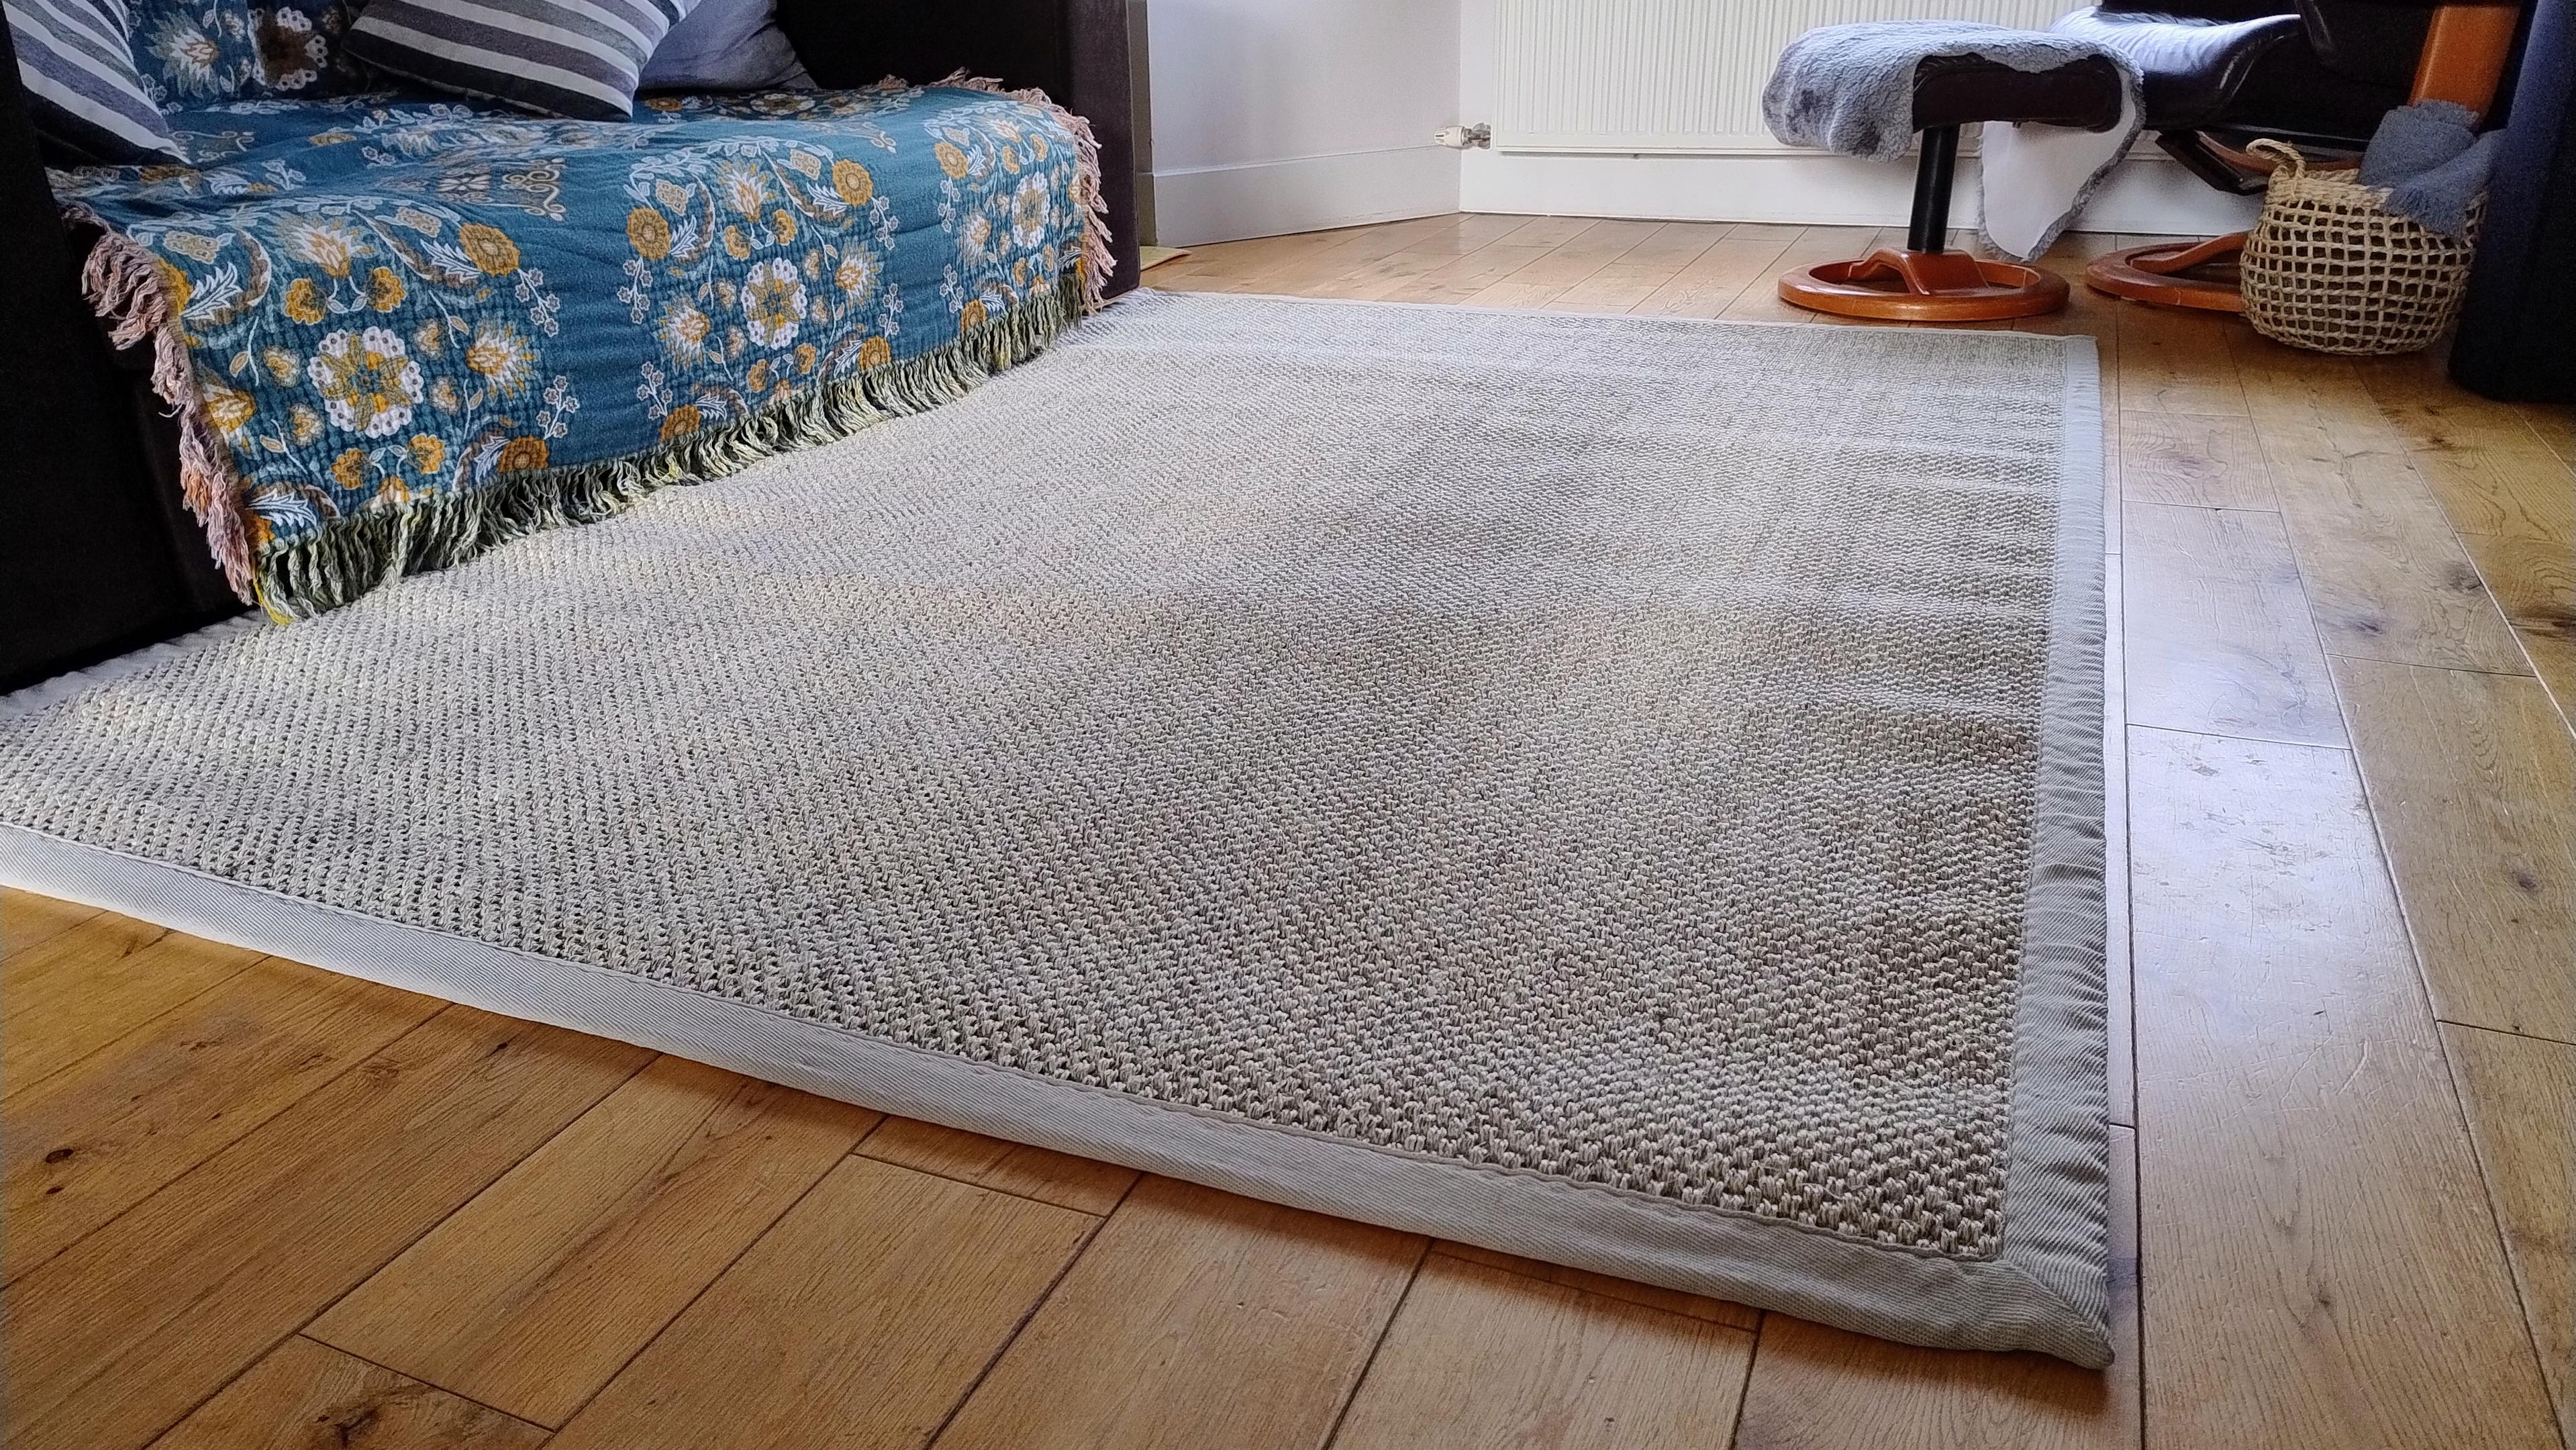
{"x": 81, "y": 85}
{"x": 555, "y": 57}
{"x": 727, "y": 45}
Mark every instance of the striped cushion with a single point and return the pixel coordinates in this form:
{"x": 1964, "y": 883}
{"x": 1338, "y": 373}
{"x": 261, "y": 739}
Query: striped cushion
{"x": 80, "y": 81}
{"x": 554, "y": 57}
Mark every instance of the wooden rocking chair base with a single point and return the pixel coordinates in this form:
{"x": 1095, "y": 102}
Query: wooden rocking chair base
{"x": 1927, "y": 287}
{"x": 2157, "y": 274}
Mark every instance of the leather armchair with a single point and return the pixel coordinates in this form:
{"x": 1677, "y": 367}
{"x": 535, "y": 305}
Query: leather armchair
{"x": 2318, "y": 74}
{"x": 2219, "y": 71}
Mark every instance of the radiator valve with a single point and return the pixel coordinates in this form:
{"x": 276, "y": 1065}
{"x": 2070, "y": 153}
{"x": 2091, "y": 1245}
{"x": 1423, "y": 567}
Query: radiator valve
{"x": 1462, "y": 138}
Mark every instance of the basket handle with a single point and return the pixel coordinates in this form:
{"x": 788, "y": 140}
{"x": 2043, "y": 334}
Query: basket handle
{"x": 2282, "y": 154}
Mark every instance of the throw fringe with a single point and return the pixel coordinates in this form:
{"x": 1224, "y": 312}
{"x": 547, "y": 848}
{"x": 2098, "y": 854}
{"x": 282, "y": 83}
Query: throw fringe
{"x": 125, "y": 287}
{"x": 1097, "y": 261}
{"x": 349, "y": 556}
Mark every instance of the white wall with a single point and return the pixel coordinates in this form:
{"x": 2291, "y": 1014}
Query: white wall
{"x": 1271, "y": 116}
{"x": 2149, "y": 193}
{"x": 1274, "y": 116}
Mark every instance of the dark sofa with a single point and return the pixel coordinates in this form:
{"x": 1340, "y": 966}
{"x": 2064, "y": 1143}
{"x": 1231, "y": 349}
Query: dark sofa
{"x": 98, "y": 552}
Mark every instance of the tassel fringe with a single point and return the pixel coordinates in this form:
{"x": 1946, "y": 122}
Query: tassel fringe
{"x": 124, "y": 284}
{"x": 352, "y": 555}
{"x": 1097, "y": 262}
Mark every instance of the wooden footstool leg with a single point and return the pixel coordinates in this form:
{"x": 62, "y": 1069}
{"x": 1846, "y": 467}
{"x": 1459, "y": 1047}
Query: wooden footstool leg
{"x": 1931, "y": 282}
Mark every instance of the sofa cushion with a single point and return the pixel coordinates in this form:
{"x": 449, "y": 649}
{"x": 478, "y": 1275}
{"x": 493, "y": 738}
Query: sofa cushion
{"x": 398, "y": 330}
{"x": 203, "y": 52}
{"x": 82, "y": 89}
{"x": 577, "y": 58}
{"x": 727, "y": 45}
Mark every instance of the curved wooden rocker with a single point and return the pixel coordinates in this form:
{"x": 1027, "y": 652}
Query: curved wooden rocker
{"x": 2161, "y": 273}
{"x": 1939, "y": 286}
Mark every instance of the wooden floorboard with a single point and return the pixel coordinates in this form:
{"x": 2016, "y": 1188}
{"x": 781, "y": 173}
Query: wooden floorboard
{"x": 2386, "y": 574}
{"x": 531, "y": 1296}
{"x": 27, "y": 919}
{"x": 89, "y": 1142}
{"x": 854, "y": 1324}
{"x": 1481, "y": 1356}
{"x": 2343, "y": 619}
{"x": 2219, "y": 638}
{"x": 122, "y": 1334}
{"x": 307, "y": 1396}
{"x": 1671, "y": 1301}
{"x": 96, "y": 982}
{"x": 2323, "y": 1269}
{"x": 1196, "y": 1319}
{"x": 2519, "y": 1092}
{"x": 1058, "y": 1178}
{"x": 2472, "y": 780}
{"x": 2193, "y": 460}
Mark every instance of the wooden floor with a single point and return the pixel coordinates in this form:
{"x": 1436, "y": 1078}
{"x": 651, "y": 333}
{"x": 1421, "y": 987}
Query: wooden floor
{"x": 252, "y": 1204}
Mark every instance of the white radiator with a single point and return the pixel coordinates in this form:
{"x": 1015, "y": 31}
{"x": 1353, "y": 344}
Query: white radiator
{"x": 1673, "y": 75}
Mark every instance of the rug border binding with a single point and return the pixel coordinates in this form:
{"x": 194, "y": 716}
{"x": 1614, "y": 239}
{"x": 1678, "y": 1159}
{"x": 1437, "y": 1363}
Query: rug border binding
{"x": 2047, "y": 1290}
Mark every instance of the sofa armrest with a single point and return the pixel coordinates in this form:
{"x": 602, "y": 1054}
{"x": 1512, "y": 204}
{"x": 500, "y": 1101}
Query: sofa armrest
{"x": 1074, "y": 50}
{"x": 95, "y": 552}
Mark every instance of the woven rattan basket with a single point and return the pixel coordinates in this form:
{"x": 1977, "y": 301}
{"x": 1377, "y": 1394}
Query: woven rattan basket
{"x": 2329, "y": 268}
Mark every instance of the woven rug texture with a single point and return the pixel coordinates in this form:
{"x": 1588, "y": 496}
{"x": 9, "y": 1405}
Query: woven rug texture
{"x": 1620, "y": 790}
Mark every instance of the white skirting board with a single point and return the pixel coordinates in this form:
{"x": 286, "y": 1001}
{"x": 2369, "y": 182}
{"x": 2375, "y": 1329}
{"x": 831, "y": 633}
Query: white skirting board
{"x": 1312, "y": 193}
{"x": 2147, "y": 194}
{"x": 1302, "y": 194}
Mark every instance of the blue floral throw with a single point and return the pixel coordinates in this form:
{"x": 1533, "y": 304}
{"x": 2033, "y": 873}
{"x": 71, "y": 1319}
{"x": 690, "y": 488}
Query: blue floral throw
{"x": 398, "y": 332}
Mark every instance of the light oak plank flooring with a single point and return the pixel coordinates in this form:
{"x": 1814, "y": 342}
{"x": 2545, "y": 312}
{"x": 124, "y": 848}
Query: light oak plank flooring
{"x": 122, "y": 1334}
{"x": 857, "y": 1322}
{"x": 1197, "y": 1318}
{"x": 86, "y": 1143}
{"x": 308, "y": 1396}
{"x": 2306, "y": 1183}
{"x": 2222, "y": 642}
{"x": 28, "y": 920}
{"x": 1065, "y": 1181}
{"x": 96, "y": 982}
{"x": 2341, "y": 616}
{"x": 550, "y": 1280}
{"x": 1479, "y": 1356}
{"x": 2473, "y": 780}
{"x": 2519, "y": 1091}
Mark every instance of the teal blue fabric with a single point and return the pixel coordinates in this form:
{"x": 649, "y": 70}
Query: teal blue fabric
{"x": 391, "y": 307}
{"x": 204, "y": 52}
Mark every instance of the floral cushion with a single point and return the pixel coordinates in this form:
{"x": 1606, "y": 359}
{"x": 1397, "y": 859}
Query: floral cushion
{"x": 202, "y": 52}
{"x": 414, "y": 328}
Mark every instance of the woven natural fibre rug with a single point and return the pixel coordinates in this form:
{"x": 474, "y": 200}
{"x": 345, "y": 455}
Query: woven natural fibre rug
{"x": 1621, "y": 791}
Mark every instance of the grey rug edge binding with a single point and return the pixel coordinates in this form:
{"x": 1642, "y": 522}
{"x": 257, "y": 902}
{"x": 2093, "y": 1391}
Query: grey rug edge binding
{"x": 2047, "y": 1291}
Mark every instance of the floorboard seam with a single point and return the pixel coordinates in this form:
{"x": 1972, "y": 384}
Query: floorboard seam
{"x": 1351, "y": 1396}
{"x": 713, "y": 1279}
{"x": 192, "y": 1169}
{"x": 965, "y": 1396}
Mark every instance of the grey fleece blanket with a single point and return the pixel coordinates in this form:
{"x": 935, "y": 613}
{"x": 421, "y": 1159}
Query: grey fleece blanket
{"x": 1850, "y": 88}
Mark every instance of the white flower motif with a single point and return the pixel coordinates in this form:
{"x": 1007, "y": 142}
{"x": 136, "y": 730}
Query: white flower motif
{"x": 367, "y": 381}
{"x": 684, "y": 331}
{"x": 858, "y": 273}
{"x": 773, "y": 301}
{"x": 1029, "y": 209}
{"x": 502, "y": 357}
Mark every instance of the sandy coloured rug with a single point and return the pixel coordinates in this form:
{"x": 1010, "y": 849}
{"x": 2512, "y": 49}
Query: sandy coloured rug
{"x": 1621, "y": 791}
